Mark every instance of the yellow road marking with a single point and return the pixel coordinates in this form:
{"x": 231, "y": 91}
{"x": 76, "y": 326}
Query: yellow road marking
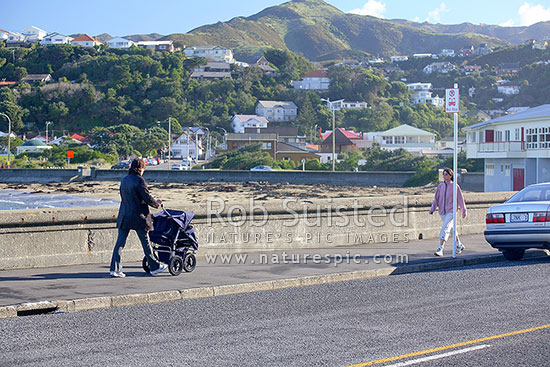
{"x": 461, "y": 344}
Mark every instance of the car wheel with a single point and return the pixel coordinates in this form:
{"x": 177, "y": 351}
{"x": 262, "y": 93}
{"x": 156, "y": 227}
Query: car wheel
{"x": 513, "y": 254}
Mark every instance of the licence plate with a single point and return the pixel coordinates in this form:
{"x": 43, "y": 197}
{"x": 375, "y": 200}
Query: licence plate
{"x": 519, "y": 217}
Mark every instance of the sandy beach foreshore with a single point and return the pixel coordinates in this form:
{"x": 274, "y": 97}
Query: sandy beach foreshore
{"x": 180, "y": 193}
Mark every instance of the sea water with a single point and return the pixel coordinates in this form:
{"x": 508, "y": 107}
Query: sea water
{"x": 14, "y": 199}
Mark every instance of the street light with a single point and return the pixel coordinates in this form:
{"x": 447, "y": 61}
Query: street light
{"x": 9, "y": 135}
{"x": 169, "y": 137}
{"x": 206, "y": 155}
{"x": 332, "y": 107}
{"x": 47, "y": 124}
{"x": 224, "y": 136}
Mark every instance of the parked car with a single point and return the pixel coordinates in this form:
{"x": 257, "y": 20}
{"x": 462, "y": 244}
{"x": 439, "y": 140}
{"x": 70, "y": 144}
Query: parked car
{"x": 261, "y": 168}
{"x": 152, "y": 161}
{"x": 182, "y": 166}
{"x": 121, "y": 165}
{"x": 522, "y": 222}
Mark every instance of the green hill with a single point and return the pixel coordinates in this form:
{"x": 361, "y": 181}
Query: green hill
{"x": 319, "y": 31}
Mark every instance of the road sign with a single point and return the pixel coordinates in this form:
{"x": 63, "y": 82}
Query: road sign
{"x": 70, "y": 153}
{"x": 452, "y": 100}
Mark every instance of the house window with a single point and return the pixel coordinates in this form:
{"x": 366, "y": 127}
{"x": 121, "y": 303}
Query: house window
{"x": 490, "y": 169}
{"x": 266, "y": 145}
{"x": 286, "y": 158}
{"x": 498, "y": 135}
{"x": 501, "y": 168}
{"x": 517, "y": 134}
{"x": 507, "y": 170}
{"x": 507, "y": 135}
{"x": 399, "y": 139}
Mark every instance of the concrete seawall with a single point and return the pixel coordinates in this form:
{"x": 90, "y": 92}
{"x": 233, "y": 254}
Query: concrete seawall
{"x": 468, "y": 181}
{"x": 54, "y": 237}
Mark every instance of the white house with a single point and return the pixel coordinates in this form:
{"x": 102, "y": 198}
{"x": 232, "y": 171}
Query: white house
{"x": 119, "y": 42}
{"x": 439, "y": 67}
{"x": 356, "y": 105}
{"x": 421, "y": 93}
{"x": 314, "y": 80}
{"x": 508, "y": 88}
{"x": 55, "y": 39}
{"x": 33, "y": 146}
{"x": 240, "y": 122}
{"x": 211, "y": 53}
{"x": 277, "y": 110}
{"x": 188, "y": 144}
{"x": 398, "y": 58}
{"x": 86, "y": 41}
{"x": 34, "y": 34}
{"x": 14, "y": 37}
{"x": 447, "y": 52}
{"x": 516, "y": 148}
{"x": 410, "y": 138}
{"x": 4, "y": 35}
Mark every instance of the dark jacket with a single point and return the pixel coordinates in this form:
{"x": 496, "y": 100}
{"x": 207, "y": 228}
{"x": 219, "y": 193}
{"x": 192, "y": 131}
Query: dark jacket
{"x": 134, "y": 208}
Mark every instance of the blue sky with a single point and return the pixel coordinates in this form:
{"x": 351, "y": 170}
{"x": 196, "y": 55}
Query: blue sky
{"x": 124, "y": 17}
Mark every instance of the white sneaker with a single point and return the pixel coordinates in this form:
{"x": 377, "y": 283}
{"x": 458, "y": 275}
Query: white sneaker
{"x": 161, "y": 268}
{"x": 459, "y": 248}
{"x": 117, "y": 274}
{"x": 439, "y": 251}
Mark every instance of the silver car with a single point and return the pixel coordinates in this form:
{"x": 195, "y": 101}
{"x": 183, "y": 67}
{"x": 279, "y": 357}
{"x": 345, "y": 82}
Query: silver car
{"x": 522, "y": 222}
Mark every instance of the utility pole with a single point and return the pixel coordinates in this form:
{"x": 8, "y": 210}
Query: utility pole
{"x": 48, "y": 123}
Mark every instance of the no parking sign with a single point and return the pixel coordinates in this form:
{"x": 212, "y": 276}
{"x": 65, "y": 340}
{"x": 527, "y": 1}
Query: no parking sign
{"x": 452, "y": 100}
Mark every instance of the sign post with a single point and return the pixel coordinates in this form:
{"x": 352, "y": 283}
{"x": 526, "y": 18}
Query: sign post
{"x": 452, "y": 105}
{"x": 70, "y": 154}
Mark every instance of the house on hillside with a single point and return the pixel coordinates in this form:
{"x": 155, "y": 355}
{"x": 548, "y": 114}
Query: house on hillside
{"x": 516, "y": 148}
{"x": 210, "y": 53}
{"x": 508, "y": 68}
{"x": 468, "y": 69}
{"x": 119, "y": 42}
{"x": 354, "y": 105}
{"x": 421, "y": 93}
{"x": 439, "y": 67}
{"x": 399, "y": 58}
{"x": 467, "y": 51}
{"x": 55, "y": 39}
{"x": 240, "y": 122}
{"x": 314, "y": 80}
{"x": 37, "y": 78}
{"x": 539, "y": 45}
{"x": 34, "y": 34}
{"x": 158, "y": 46}
{"x": 212, "y": 70}
{"x": 285, "y": 134}
{"x": 86, "y": 41}
{"x": 407, "y": 137}
{"x": 267, "y": 69}
{"x": 507, "y": 87}
{"x": 447, "y": 52}
{"x": 14, "y": 38}
{"x": 277, "y": 111}
{"x": 482, "y": 49}
{"x": 189, "y": 144}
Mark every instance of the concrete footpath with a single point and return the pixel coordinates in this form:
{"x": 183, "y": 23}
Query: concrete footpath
{"x": 86, "y": 287}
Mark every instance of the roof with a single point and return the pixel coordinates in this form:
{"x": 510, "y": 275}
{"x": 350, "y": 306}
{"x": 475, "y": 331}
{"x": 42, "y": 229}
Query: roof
{"x": 272, "y": 104}
{"x": 406, "y": 130}
{"x": 245, "y": 118}
{"x": 211, "y": 74}
{"x": 34, "y": 143}
{"x": 85, "y": 38}
{"x": 535, "y": 112}
{"x": 320, "y": 73}
{"x": 79, "y": 138}
{"x": 251, "y": 137}
{"x": 8, "y": 83}
{"x": 348, "y": 134}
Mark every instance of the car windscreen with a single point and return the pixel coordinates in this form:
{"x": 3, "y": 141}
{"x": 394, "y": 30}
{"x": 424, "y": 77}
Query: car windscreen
{"x": 534, "y": 193}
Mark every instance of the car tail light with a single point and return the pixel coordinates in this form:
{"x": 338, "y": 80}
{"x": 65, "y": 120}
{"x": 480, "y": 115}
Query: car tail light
{"x": 541, "y": 217}
{"x": 494, "y": 218}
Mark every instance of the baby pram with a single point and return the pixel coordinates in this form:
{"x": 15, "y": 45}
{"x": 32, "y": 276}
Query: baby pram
{"x": 173, "y": 241}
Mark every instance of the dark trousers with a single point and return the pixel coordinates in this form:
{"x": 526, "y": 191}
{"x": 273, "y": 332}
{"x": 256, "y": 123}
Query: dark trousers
{"x": 116, "y": 264}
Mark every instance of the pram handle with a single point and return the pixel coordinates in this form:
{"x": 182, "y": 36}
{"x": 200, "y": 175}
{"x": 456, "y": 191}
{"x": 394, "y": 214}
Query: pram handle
{"x": 165, "y": 211}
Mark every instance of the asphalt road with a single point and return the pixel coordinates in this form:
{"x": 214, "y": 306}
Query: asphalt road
{"x": 456, "y": 317}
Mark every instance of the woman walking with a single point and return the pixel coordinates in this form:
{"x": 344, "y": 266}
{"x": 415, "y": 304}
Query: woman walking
{"x": 443, "y": 200}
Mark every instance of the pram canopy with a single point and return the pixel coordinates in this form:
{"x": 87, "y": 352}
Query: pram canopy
{"x": 166, "y": 224}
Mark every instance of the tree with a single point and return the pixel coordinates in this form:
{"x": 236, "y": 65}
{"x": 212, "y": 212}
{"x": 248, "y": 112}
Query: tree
{"x": 307, "y": 118}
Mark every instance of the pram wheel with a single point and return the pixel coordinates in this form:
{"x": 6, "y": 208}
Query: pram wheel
{"x": 145, "y": 265}
{"x": 189, "y": 262}
{"x": 175, "y": 266}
